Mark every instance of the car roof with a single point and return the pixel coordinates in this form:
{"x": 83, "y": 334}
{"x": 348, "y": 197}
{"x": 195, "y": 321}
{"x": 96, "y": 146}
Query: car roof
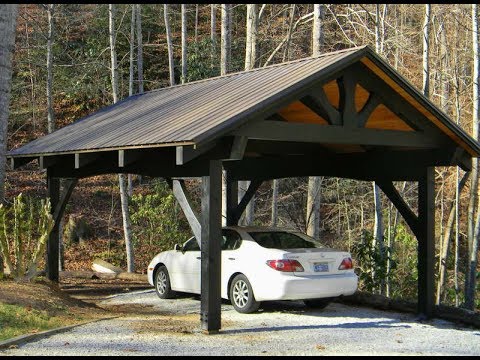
{"x": 259, "y": 228}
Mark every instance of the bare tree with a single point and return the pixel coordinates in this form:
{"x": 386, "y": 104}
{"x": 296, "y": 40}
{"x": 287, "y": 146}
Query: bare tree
{"x": 225, "y": 40}
{"x": 184, "y": 43}
{"x": 314, "y": 182}
{"x": 50, "y": 112}
{"x": 121, "y": 177}
{"x": 139, "y": 48}
{"x": 169, "y": 44}
{"x": 471, "y": 275}
{"x": 213, "y": 31}
{"x": 426, "y": 51}
{"x": 8, "y": 22}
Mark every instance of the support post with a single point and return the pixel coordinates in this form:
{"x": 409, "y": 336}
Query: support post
{"x": 53, "y": 192}
{"x": 232, "y": 200}
{"x": 210, "y": 248}
{"x": 426, "y": 244}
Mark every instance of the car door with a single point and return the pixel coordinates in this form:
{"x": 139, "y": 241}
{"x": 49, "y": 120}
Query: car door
{"x": 184, "y": 274}
{"x": 231, "y": 241}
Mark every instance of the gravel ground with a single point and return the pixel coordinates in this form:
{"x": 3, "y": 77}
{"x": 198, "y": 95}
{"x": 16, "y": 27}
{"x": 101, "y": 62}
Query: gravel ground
{"x": 172, "y": 327}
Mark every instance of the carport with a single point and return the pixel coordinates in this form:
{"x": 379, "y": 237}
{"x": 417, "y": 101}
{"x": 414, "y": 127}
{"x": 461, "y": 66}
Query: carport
{"x": 342, "y": 114}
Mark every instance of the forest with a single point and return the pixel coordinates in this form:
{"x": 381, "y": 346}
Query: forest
{"x": 69, "y": 60}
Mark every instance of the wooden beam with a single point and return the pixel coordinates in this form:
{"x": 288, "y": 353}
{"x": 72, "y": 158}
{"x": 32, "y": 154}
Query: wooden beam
{"x": 128, "y": 157}
{"x": 411, "y": 219}
{"x": 232, "y": 199}
{"x": 367, "y": 110}
{"x": 426, "y": 244}
{"x": 53, "y": 192}
{"x": 187, "y": 153}
{"x": 299, "y": 132}
{"x": 238, "y": 211}
{"x": 17, "y": 162}
{"x": 347, "y": 86}
{"x": 210, "y": 307}
{"x": 83, "y": 159}
{"x": 368, "y": 166}
{"x": 68, "y": 186}
{"x": 322, "y": 105}
{"x": 180, "y": 193}
{"x": 238, "y": 147}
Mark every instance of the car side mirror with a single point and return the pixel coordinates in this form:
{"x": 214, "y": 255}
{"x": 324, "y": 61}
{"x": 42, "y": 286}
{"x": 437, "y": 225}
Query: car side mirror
{"x": 177, "y": 247}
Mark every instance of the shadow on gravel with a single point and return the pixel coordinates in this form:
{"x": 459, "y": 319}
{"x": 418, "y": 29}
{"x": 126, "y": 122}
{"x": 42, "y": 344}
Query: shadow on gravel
{"x": 366, "y": 325}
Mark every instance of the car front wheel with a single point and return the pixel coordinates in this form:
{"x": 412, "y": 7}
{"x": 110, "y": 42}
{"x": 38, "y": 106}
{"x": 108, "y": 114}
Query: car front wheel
{"x": 162, "y": 284}
{"x": 241, "y": 295}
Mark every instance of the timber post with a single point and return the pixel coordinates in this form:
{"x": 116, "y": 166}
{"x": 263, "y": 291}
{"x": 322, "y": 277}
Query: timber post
{"x": 210, "y": 312}
{"x": 52, "y": 257}
{"x": 426, "y": 244}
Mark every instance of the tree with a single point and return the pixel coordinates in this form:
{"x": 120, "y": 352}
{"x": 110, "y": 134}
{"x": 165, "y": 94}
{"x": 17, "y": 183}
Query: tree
{"x": 184, "y": 43}
{"x": 8, "y": 21}
{"x": 471, "y": 274}
{"x": 314, "y": 182}
{"x": 225, "y": 40}
{"x": 50, "y": 112}
{"x": 121, "y": 177}
{"x": 171, "y": 65}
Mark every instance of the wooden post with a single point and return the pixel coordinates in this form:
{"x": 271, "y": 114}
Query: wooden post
{"x": 426, "y": 244}
{"x": 53, "y": 192}
{"x": 210, "y": 249}
{"x": 232, "y": 200}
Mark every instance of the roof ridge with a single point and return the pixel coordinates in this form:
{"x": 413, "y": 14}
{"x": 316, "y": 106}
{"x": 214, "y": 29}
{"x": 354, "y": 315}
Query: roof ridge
{"x": 353, "y": 49}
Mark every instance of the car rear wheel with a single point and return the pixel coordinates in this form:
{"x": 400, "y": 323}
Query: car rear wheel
{"x": 162, "y": 284}
{"x": 241, "y": 295}
{"x": 317, "y": 303}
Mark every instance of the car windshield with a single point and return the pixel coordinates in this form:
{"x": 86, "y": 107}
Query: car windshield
{"x": 282, "y": 240}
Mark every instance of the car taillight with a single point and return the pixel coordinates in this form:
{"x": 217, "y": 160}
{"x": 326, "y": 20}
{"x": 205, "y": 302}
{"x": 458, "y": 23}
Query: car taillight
{"x": 285, "y": 265}
{"x": 346, "y": 264}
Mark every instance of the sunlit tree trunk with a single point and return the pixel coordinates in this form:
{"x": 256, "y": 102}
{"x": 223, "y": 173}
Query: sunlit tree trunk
{"x": 8, "y": 21}
{"x": 225, "y": 40}
{"x": 121, "y": 177}
{"x": 169, "y": 44}
{"x": 184, "y": 43}
{"x": 471, "y": 275}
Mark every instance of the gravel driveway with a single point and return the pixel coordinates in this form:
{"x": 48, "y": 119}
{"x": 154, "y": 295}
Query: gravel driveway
{"x": 172, "y": 327}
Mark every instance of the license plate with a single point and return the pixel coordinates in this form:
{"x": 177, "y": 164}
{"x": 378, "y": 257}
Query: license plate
{"x": 320, "y": 267}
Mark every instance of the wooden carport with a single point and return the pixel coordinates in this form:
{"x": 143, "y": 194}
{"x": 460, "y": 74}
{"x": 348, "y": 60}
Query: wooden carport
{"x": 344, "y": 114}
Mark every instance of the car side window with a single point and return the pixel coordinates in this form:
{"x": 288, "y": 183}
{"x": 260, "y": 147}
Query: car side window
{"x": 231, "y": 240}
{"x": 191, "y": 245}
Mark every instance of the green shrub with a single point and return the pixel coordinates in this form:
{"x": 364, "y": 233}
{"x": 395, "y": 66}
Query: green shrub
{"x": 24, "y": 230}
{"x": 157, "y": 219}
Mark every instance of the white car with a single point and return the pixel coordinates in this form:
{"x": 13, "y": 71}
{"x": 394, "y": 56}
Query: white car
{"x": 259, "y": 264}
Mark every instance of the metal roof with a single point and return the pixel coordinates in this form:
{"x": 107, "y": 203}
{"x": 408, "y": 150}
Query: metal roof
{"x": 194, "y": 112}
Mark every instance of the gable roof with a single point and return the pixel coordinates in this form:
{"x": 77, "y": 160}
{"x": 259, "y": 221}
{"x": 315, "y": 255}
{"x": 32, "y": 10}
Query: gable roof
{"x": 199, "y": 111}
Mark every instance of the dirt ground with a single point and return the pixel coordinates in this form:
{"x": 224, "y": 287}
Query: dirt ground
{"x": 76, "y": 300}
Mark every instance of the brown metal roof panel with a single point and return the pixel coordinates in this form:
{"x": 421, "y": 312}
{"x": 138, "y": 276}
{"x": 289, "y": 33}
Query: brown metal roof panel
{"x": 179, "y": 113}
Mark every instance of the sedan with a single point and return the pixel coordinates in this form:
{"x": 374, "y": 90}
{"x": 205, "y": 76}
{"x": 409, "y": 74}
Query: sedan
{"x": 259, "y": 264}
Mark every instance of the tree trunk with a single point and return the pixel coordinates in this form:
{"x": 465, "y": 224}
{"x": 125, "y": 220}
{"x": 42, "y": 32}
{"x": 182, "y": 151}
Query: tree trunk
{"x": 184, "y": 43}
{"x": 426, "y": 50}
{"x": 50, "y": 113}
{"x": 170, "y": 45}
{"x": 471, "y": 275}
{"x": 313, "y": 206}
{"x": 8, "y": 21}
{"x": 131, "y": 88}
{"x": 251, "y": 41}
{"x": 121, "y": 177}
{"x": 446, "y": 241}
{"x": 289, "y": 34}
{"x": 225, "y": 40}
{"x": 275, "y": 202}
{"x": 213, "y": 32}
{"x": 139, "y": 48}
{"x": 314, "y": 182}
